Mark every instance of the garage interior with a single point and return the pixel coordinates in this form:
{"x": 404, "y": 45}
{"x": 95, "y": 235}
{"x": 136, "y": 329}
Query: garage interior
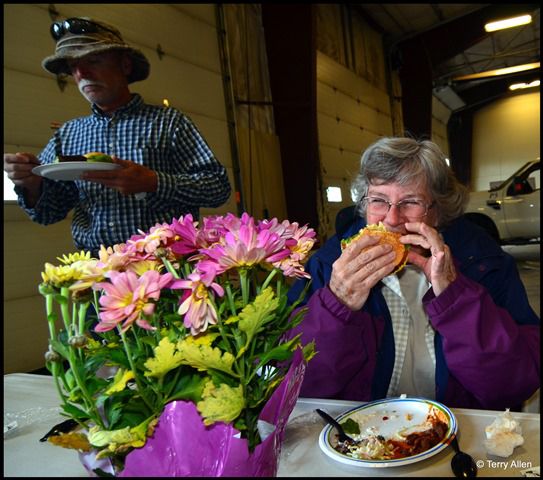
{"x": 287, "y": 95}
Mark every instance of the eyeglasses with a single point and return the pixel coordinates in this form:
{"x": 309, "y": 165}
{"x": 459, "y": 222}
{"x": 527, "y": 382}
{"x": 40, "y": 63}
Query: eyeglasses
{"x": 77, "y": 26}
{"x": 407, "y": 208}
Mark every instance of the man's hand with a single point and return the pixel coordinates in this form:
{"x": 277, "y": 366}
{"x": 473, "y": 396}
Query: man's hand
{"x": 128, "y": 180}
{"x": 355, "y": 272}
{"x": 19, "y": 167}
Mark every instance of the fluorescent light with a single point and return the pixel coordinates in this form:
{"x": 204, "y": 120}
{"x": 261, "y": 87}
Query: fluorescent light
{"x": 518, "y": 86}
{"x": 499, "y": 71}
{"x": 508, "y": 23}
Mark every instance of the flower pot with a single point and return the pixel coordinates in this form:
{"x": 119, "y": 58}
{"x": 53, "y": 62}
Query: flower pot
{"x": 183, "y": 446}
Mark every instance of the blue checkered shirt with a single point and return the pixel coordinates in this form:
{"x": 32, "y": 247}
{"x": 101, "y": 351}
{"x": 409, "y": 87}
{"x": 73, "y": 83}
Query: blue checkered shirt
{"x": 162, "y": 139}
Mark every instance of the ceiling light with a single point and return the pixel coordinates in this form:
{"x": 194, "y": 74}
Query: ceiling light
{"x": 508, "y": 23}
{"x": 499, "y": 71}
{"x": 518, "y": 86}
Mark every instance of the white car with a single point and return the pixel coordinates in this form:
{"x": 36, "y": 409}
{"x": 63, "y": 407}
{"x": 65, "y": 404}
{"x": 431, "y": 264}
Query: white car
{"x": 510, "y": 211}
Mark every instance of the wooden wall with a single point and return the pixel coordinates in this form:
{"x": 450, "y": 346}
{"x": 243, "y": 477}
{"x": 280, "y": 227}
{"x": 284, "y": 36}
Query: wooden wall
{"x": 188, "y": 74}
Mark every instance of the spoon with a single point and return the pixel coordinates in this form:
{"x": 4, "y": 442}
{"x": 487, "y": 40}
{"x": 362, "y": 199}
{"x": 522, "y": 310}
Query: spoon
{"x": 462, "y": 464}
{"x": 342, "y": 437}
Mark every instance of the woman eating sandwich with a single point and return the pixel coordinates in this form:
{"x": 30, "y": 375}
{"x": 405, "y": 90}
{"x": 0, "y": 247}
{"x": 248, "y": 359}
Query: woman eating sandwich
{"x": 412, "y": 298}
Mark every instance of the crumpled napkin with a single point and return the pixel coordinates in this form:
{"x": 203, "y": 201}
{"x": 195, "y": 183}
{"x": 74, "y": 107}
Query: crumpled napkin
{"x": 503, "y": 435}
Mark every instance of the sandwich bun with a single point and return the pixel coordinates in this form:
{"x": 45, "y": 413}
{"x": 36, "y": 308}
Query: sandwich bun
{"x": 385, "y": 236}
{"x": 98, "y": 157}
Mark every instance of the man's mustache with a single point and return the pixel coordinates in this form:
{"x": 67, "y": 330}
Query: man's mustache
{"x": 85, "y": 83}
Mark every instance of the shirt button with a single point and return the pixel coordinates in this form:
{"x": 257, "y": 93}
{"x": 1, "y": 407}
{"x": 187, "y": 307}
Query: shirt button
{"x": 111, "y": 224}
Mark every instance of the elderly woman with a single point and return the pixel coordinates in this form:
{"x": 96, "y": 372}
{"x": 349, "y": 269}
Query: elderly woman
{"x": 454, "y": 325}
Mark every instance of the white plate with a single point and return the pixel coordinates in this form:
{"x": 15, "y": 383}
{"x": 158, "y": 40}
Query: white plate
{"x": 399, "y": 413}
{"x": 71, "y": 170}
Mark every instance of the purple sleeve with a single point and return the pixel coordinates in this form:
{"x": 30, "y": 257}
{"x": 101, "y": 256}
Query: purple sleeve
{"x": 491, "y": 355}
{"x": 346, "y": 344}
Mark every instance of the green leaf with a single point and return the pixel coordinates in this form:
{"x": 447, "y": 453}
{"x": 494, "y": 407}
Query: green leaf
{"x": 220, "y": 404}
{"x": 75, "y": 412}
{"x": 204, "y": 357}
{"x": 166, "y": 359}
{"x": 255, "y": 315}
{"x": 60, "y": 348}
{"x": 188, "y": 387}
{"x": 280, "y": 353}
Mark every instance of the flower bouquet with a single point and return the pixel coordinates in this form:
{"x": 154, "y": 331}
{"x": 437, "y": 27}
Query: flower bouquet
{"x": 178, "y": 339}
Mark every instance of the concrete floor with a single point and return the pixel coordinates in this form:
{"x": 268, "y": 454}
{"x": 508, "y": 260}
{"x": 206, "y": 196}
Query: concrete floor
{"x": 529, "y": 262}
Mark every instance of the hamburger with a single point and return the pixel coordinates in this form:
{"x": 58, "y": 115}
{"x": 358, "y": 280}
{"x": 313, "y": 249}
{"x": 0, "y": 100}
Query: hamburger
{"x": 386, "y": 236}
{"x": 88, "y": 157}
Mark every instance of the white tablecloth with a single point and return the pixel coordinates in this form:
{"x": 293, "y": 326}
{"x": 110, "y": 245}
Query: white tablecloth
{"x": 33, "y": 400}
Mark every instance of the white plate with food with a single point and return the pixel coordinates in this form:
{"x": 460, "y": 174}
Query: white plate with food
{"x": 390, "y": 432}
{"x": 71, "y": 170}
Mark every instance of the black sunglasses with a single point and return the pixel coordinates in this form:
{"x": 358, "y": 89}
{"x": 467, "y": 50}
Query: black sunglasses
{"x": 77, "y": 26}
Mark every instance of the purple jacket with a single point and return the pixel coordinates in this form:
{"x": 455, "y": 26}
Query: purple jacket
{"x": 487, "y": 335}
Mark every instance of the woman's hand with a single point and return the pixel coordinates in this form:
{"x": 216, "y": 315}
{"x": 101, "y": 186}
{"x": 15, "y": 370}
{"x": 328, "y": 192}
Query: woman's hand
{"x": 355, "y": 272}
{"x": 439, "y": 266}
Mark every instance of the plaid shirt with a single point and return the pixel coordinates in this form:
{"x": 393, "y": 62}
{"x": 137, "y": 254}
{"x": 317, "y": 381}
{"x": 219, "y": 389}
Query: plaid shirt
{"x": 162, "y": 139}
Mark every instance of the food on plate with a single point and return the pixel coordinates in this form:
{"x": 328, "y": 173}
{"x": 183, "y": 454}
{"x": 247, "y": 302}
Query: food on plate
{"x": 407, "y": 441}
{"x": 98, "y": 157}
{"x": 503, "y": 435}
{"x": 386, "y": 236}
{"x": 88, "y": 157}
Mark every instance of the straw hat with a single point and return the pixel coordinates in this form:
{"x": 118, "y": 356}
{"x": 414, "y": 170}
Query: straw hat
{"x": 105, "y": 38}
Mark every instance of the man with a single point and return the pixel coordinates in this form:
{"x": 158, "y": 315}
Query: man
{"x": 167, "y": 168}
{"x": 454, "y": 325}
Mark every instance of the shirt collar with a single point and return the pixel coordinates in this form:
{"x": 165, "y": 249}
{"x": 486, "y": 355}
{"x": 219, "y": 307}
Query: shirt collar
{"x": 131, "y": 106}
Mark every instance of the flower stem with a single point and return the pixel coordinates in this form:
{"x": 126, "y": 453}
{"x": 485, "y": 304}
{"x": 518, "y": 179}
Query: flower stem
{"x": 65, "y": 309}
{"x": 87, "y": 398}
{"x": 169, "y": 267}
{"x": 230, "y": 296}
{"x": 133, "y": 367}
{"x": 50, "y": 316}
{"x": 269, "y": 279}
{"x": 244, "y": 282}
{"x": 82, "y": 316}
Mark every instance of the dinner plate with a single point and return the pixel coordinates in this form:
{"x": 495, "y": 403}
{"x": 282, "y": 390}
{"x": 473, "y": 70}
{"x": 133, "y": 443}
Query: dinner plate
{"x": 385, "y": 417}
{"x": 71, "y": 170}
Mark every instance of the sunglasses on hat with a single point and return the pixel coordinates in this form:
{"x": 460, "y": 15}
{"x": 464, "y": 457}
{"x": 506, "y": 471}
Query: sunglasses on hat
{"x": 77, "y": 26}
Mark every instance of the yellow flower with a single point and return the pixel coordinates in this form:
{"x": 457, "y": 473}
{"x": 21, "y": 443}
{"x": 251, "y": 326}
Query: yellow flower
{"x": 75, "y": 257}
{"x": 61, "y": 276}
{"x": 139, "y": 268}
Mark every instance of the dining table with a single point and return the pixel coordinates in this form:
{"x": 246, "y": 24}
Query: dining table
{"x": 31, "y": 408}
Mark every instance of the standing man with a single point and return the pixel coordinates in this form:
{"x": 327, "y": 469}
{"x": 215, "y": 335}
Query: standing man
{"x": 167, "y": 168}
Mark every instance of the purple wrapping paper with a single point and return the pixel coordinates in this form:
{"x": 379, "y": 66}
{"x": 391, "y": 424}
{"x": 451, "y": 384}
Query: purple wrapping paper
{"x": 183, "y": 446}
